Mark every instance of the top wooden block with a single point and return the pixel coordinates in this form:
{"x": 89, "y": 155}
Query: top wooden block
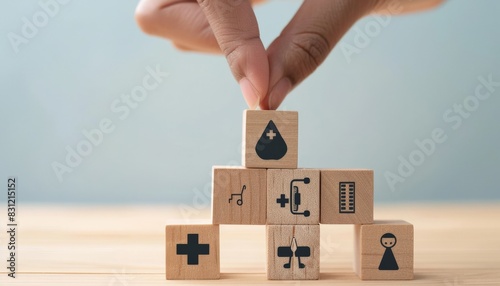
{"x": 270, "y": 139}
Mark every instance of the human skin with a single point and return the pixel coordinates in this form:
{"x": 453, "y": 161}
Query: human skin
{"x": 229, "y": 27}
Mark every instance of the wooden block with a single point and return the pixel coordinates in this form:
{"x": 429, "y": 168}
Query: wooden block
{"x": 192, "y": 252}
{"x": 238, "y": 195}
{"x": 384, "y": 250}
{"x": 293, "y": 252}
{"x": 270, "y": 139}
{"x": 293, "y": 196}
{"x": 346, "y": 196}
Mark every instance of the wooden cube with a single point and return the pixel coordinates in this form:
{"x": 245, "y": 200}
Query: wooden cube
{"x": 293, "y": 252}
{"x": 239, "y": 195}
{"x": 384, "y": 250}
{"x": 346, "y": 196}
{"x": 270, "y": 139}
{"x": 293, "y": 196}
{"x": 192, "y": 252}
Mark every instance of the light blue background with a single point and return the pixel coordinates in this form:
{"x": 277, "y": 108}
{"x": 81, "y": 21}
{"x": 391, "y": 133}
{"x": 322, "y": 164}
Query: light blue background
{"x": 359, "y": 114}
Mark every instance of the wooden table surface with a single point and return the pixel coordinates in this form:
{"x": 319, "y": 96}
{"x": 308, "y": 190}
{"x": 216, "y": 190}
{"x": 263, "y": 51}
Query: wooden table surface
{"x": 455, "y": 244}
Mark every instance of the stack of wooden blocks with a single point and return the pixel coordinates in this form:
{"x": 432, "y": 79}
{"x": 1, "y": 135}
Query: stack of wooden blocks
{"x": 269, "y": 190}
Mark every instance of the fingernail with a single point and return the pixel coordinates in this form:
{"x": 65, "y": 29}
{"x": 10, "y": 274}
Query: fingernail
{"x": 279, "y": 92}
{"x": 249, "y": 93}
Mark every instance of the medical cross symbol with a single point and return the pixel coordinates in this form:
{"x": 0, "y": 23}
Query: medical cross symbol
{"x": 271, "y": 134}
{"x": 193, "y": 249}
{"x": 282, "y": 200}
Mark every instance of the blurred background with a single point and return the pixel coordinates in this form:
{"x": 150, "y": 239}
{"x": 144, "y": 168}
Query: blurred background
{"x": 390, "y": 84}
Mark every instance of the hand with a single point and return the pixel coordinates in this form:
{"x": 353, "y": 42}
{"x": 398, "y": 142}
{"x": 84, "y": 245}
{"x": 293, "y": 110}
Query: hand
{"x": 230, "y": 27}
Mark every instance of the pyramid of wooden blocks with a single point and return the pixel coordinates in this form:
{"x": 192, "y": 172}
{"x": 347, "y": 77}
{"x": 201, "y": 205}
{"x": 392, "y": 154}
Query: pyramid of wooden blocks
{"x": 269, "y": 189}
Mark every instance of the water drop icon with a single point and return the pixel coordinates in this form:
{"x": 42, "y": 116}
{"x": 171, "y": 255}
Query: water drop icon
{"x": 271, "y": 145}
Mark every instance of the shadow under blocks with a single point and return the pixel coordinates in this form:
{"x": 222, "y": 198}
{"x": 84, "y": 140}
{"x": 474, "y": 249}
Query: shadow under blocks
{"x": 270, "y": 189}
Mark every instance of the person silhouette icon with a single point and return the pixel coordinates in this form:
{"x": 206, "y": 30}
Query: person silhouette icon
{"x": 388, "y": 262}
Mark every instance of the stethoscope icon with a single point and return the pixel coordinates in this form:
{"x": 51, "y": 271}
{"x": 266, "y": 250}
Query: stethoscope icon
{"x": 295, "y": 197}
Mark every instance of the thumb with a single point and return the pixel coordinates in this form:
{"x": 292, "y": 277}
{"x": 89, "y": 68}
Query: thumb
{"x": 235, "y": 27}
{"x": 306, "y": 41}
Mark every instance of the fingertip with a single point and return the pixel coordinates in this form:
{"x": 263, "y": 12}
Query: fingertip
{"x": 249, "y": 92}
{"x": 278, "y": 93}
{"x": 264, "y": 104}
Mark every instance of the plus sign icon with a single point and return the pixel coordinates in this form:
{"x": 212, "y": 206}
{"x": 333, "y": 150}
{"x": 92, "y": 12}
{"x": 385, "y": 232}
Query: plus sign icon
{"x": 271, "y": 145}
{"x": 282, "y": 201}
{"x": 193, "y": 249}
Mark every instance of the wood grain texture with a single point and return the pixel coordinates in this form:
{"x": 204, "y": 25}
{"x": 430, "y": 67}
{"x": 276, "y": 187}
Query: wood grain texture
{"x": 184, "y": 243}
{"x": 124, "y": 245}
{"x": 239, "y": 195}
{"x": 361, "y": 184}
{"x": 296, "y": 240}
{"x": 282, "y": 204}
{"x": 254, "y": 124}
{"x": 384, "y": 250}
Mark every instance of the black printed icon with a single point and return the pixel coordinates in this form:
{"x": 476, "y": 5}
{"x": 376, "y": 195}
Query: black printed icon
{"x": 193, "y": 249}
{"x": 347, "y": 197}
{"x": 388, "y": 262}
{"x": 295, "y": 196}
{"x": 271, "y": 145}
{"x": 239, "y": 201}
{"x": 294, "y": 249}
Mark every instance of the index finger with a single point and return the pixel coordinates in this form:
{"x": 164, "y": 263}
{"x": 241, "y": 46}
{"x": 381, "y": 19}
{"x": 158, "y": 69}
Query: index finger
{"x": 235, "y": 27}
